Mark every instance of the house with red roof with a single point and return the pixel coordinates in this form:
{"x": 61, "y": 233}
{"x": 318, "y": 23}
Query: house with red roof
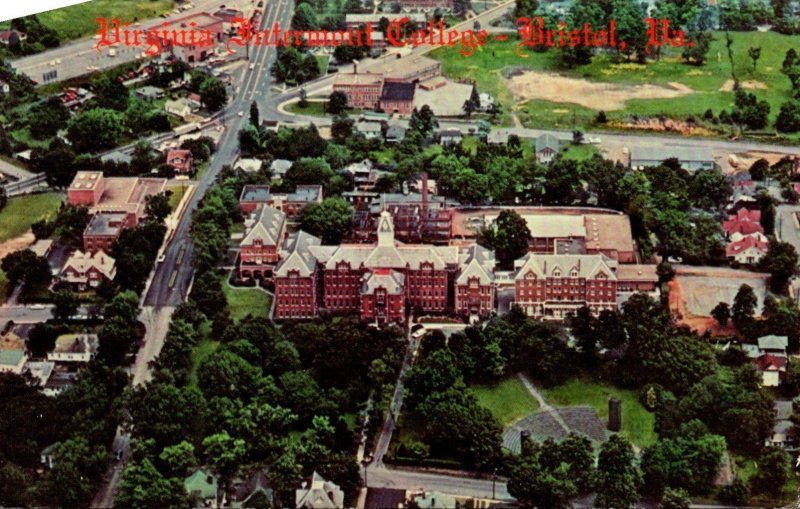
{"x": 772, "y": 369}
{"x": 747, "y": 250}
{"x": 180, "y": 160}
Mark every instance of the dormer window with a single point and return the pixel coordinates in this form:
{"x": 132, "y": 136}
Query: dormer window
{"x": 557, "y": 273}
{"x": 574, "y": 273}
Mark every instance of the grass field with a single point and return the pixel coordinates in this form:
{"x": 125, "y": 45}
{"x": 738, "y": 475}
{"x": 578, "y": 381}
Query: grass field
{"x": 747, "y": 467}
{"x": 508, "y": 400}
{"x": 246, "y": 301}
{"x": 487, "y": 65}
{"x": 314, "y": 108}
{"x": 22, "y": 211}
{"x": 578, "y": 152}
{"x": 175, "y": 197}
{"x": 79, "y": 20}
{"x": 637, "y": 422}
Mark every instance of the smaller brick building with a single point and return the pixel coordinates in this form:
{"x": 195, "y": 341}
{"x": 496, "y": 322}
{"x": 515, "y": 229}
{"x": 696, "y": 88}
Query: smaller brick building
{"x": 103, "y": 230}
{"x": 254, "y": 196}
{"x": 397, "y": 97}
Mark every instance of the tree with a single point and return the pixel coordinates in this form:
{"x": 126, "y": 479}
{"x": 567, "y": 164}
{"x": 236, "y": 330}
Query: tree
{"x": 157, "y": 207}
{"x": 509, "y": 238}
{"x": 65, "y": 305}
{"x": 744, "y": 306}
{"x": 754, "y": 52}
{"x": 25, "y": 266}
{"x": 337, "y": 102}
{"x": 423, "y": 121}
{"x": 95, "y": 129}
{"x": 77, "y": 465}
{"x": 577, "y": 137}
{"x": 525, "y": 9}
{"x": 576, "y": 450}
{"x": 225, "y": 453}
{"x": 697, "y": 53}
{"x": 788, "y": 120}
{"x": 213, "y": 94}
{"x": 142, "y": 160}
{"x": 110, "y": 92}
{"x": 735, "y": 493}
{"x": 42, "y": 339}
{"x": 773, "y": 471}
{"x": 629, "y": 17}
{"x": 254, "y": 116}
{"x": 537, "y": 486}
{"x": 46, "y": 118}
{"x": 721, "y": 313}
{"x": 675, "y": 499}
{"x": 618, "y": 479}
{"x": 143, "y": 487}
{"x": 781, "y": 262}
{"x": 758, "y": 170}
{"x": 749, "y": 111}
{"x": 329, "y": 220}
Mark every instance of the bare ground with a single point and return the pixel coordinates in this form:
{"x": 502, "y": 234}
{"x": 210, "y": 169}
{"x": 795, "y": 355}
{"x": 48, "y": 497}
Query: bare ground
{"x": 17, "y": 243}
{"x": 751, "y": 84}
{"x": 527, "y": 85}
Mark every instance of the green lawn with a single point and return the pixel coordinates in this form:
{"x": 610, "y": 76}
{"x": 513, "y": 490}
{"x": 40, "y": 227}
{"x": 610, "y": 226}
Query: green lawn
{"x": 578, "y": 152}
{"x": 508, "y": 400}
{"x": 747, "y": 467}
{"x": 245, "y": 301}
{"x": 488, "y": 65}
{"x": 314, "y": 108}
{"x": 24, "y": 136}
{"x": 79, "y": 20}
{"x": 204, "y": 348}
{"x": 175, "y": 197}
{"x": 322, "y": 62}
{"x": 637, "y": 422}
{"x": 22, "y": 211}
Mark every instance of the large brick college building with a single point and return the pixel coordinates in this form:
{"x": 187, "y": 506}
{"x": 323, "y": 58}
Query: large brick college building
{"x": 385, "y": 280}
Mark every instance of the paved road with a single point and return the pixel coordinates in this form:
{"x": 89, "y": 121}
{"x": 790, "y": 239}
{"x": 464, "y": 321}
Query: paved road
{"x": 378, "y": 477}
{"x": 14, "y": 170}
{"x": 172, "y": 277}
{"x": 786, "y": 226}
{"x": 543, "y": 404}
{"x": 72, "y": 59}
{"x": 396, "y": 404}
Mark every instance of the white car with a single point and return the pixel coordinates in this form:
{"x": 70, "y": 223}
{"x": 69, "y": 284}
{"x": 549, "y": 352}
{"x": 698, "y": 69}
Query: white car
{"x": 37, "y": 306}
{"x": 594, "y": 140}
{"x": 241, "y": 113}
{"x": 419, "y": 332}
{"x": 161, "y": 258}
{"x": 252, "y": 66}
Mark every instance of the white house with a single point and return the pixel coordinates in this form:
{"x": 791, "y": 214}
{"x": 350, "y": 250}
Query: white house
{"x": 178, "y": 107}
{"x": 748, "y": 250}
{"x": 546, "y": 148}
{"x": 74, "y": 348}
{"x": 319, "y": 494}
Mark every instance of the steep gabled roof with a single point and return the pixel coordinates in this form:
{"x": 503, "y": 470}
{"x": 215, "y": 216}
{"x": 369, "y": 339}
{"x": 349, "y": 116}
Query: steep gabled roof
{"x": 267, "y": 227}
{"x": 544, "y": 265}
{"x": 479, "y": 262}
{"x": 299, "y": 257}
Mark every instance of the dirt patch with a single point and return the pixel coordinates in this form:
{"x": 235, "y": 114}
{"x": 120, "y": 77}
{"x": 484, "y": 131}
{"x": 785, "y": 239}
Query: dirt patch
{"x": 663, "y": 125}
{"x": 527, "y": 85}
{"x": 750, "y": 84}
{"x": 15, "y": 244}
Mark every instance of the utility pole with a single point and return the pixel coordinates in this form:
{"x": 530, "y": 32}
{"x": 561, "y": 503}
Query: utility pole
{"x": 494, "y": 481}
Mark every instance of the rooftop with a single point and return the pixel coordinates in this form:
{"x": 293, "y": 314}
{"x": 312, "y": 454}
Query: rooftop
{"x": 305, "y": 194}
{"x": 398, "y": 91}
{"x": 546, "y": 141}
{"x": 267, "y": 227}
{"x": 659, "y": 153}
{"x": 627, "y": 272}
{"x": 86, "y": 180}
{"x": 76, "y": 343}
{"x": 105, "y": 223}
{"x": 255, "y": 193}
{"x": 608, "y": 232}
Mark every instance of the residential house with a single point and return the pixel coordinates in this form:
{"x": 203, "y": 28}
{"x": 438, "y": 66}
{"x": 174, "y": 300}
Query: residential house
{"x": 149, "y": 93}
{"x": 202, "y": 488}
{"x": 546, "y": 148}
{"x": 252, "y": 491}
{"x": 772, "y": 369}
{"x": 259, "y": 250}
{"x": 46, "y": 457}
{"x": 748, "y": 250}
{"x": 450, "y": 136}
{"x": 395, "y": 133}
{"x": 61, "y": 379}
{"x": 42, "y": 247}
{"x": 180, "y": 160}
{"x": 12, "y": 37}
{"x": 103, "y": 230}
{"x": 690, "y": 158}
{"x": 13, "y": 354}
{"x": 370, "y": 130}
{"x": 248, "y": 164}
{"x": 40, "y": 371}
{"x": 782, "y": 431}
{"x": 179, "y": 107}
{"x": 88, "y": 270}
{"x": 317, "y": 493}
{"x": 279, "y": 167}
{"x": 74, "y": 348}
{"x": 774, "y": 345}
{"x": 195, "y": 100}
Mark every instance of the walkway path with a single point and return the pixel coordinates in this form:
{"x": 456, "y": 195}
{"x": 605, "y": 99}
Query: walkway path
{"x": 542, "y": 403}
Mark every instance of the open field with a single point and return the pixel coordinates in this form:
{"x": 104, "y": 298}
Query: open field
{"x": 204, "y": 348}
{"x": 22, "y": 211}
{"x": 245, "y": 301}
{"x": 578, "y": 152}
{"x": 584, "y": 87}
{"x": 508, "y": 400}
{"x": 637, "y": 422}
{"x": 77, "y": 21}
{"x": 175, "y": 197}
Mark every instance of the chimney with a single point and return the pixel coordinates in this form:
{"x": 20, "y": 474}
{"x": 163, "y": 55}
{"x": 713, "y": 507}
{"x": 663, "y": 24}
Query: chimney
{"x": 424, "y": 194}
{"x": 614, "y": 414}
{"x": 355, "y": 66}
